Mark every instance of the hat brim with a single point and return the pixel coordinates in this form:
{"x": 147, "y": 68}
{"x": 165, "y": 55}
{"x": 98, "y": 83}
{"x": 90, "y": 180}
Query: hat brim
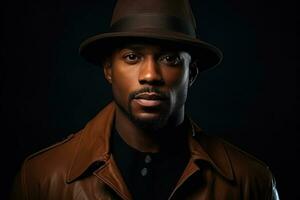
{"x": 95, "y": 48}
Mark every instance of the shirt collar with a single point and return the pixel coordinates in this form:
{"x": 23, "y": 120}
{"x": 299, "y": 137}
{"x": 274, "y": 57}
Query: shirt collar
{"x": 94, "y": 140}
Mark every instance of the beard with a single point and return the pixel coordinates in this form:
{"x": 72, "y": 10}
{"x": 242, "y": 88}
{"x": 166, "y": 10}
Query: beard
{"x": 146, "y": 124}
{"x": 152, "y": 124}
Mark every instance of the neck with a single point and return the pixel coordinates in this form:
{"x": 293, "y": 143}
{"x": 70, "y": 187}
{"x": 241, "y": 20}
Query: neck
{"x": 149, "y": 140}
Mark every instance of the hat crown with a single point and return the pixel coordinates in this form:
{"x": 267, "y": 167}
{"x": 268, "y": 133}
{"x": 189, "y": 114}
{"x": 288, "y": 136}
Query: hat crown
{"x": 164, "y": 22}
{"x": 165, "y": 15}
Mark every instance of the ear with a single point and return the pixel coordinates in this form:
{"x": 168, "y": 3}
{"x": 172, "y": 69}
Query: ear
{"x": 107, "y": 70}
{"x": 193, "y": 72}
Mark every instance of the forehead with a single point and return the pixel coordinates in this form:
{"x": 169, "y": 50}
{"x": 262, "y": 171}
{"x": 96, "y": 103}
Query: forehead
{"x": 153, "y": 46}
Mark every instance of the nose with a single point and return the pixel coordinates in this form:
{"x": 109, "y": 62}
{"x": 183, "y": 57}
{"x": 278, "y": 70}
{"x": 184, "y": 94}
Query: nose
{"x": 150, "y": 72}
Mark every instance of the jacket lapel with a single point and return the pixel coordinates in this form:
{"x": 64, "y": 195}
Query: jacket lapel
{"x": 93, "y": 147}
{"x": 210, "y": 149}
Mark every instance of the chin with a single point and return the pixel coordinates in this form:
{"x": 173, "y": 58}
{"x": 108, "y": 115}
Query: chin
{"x": 149, "y": 121}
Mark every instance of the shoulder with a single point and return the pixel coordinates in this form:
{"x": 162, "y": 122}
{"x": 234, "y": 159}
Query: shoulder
{"x": 251, "y": 173}
{"x": 247, "y": 169}
{"x": 224, "y": 153}
{"x": 53, "y": 159}
{"x": 244, "y": 171}
{"x": 242, "y": 164}
{"x": 43, "y": 168}
{"x": 243, "y": 161}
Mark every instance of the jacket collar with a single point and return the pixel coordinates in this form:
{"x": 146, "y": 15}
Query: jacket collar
{"x": 93, "y": 146}
{"x": 210, "y": 149}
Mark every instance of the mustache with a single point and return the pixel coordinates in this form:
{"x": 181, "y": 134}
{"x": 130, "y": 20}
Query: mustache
{"x": 158, "y": 91}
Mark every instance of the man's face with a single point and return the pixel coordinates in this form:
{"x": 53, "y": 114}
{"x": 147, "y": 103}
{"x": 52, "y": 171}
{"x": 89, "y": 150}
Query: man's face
{"x": 149, "y": 83}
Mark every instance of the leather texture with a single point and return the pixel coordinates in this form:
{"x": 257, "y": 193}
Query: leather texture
{"x": 82, "y": 168}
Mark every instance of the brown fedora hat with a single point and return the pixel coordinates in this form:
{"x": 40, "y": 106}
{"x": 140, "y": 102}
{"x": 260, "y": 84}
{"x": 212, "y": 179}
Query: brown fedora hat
{"x": 169, "y": 22}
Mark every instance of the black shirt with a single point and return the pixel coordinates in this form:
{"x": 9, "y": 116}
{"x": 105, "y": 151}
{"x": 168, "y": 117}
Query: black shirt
{"x": 149, "y": 175}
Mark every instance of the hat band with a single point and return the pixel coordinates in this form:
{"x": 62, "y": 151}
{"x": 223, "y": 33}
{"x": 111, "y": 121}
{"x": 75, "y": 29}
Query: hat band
{"x": 154, "y": 22}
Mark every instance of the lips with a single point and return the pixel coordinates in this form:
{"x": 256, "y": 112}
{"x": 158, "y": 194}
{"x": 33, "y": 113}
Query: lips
{"x": 149, "y": 99}
{"x": 149, "y": 96}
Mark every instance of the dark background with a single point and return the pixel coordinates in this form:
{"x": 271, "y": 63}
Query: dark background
{"x": 48, "y": 91}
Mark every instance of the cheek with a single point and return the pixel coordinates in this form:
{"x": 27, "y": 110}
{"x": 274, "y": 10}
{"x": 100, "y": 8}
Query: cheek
{"x": 177, "y": 81}
{"x": 176, "y": 77}
{"x": 122, "y": 83}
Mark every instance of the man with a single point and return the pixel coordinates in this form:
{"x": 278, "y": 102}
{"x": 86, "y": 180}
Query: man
{"x": 142, "y": 145}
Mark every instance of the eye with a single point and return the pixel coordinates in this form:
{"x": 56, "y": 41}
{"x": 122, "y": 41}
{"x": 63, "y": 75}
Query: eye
{"x": 131, "y": 58}
{"x": 170, "y": 59}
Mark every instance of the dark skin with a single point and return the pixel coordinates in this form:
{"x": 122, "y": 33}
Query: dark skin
{"x": 150, "y": 86}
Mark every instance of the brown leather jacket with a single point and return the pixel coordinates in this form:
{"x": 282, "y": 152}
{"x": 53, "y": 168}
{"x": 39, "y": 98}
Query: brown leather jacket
{"x": 81, "y": 167}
